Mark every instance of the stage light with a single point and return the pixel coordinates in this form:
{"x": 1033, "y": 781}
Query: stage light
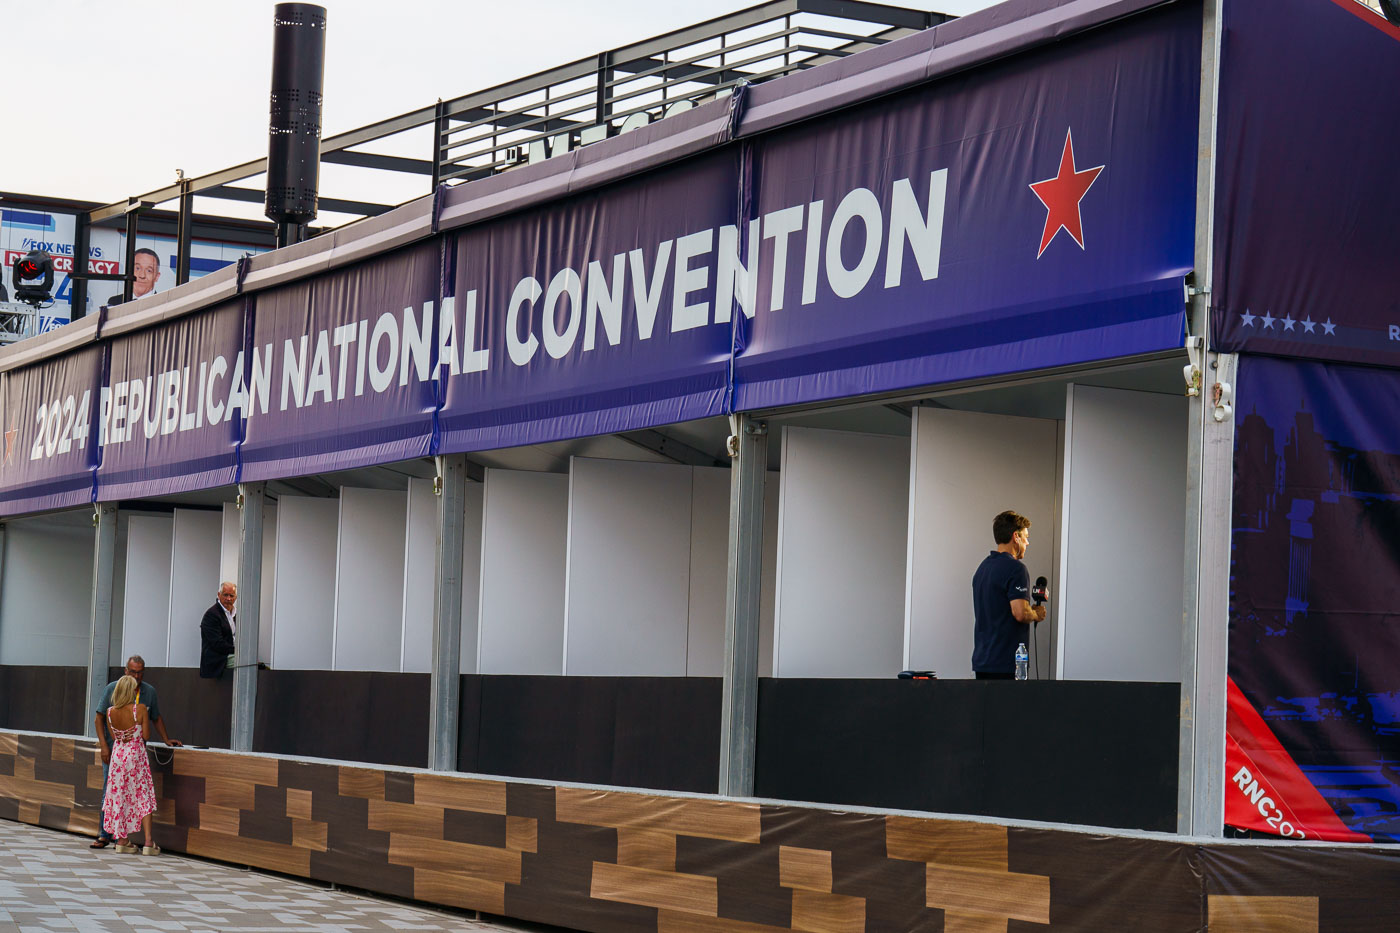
{"x": 32, "y": 277}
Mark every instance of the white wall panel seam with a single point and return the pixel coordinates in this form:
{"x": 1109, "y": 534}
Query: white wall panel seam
{"x": 335, "y": 586}
{"x": 909, "y": 538}
{"x": 481, "y": 568}
{"x": 568, "y": 567}
{"x": 1066, "y": 609}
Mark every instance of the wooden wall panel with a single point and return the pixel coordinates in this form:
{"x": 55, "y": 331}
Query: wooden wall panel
{"x": 43, "y": 699}
{"x": 595, "y": 859}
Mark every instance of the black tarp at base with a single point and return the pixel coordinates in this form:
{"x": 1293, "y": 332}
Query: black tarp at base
{"x": 1096, "y": 753}
{"x": 1092, "y": 752}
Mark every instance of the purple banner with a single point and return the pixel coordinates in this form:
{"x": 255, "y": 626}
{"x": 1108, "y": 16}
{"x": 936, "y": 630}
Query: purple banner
{"x": 606, "y": 313}
{"x": 339, "y": 369}
{"x": 169, "y": 408}
{"x": 1314, "y": 628}
{"x": 1306, "y": 207}
{"x": 1034, "y": 213}
{"x": 50, "y": 421}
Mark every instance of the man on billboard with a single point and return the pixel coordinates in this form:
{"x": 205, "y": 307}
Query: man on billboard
{"x": 146, "y": 270}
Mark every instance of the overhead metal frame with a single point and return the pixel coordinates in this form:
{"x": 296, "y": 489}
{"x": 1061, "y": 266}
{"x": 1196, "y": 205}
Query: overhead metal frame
{"x": 489, "y": 131}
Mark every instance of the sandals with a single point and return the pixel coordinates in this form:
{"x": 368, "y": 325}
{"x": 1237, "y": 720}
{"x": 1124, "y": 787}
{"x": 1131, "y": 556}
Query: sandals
{"x": 126, "y": 847}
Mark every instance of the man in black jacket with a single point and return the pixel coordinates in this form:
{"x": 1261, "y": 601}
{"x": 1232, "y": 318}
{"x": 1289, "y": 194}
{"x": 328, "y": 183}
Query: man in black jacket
{"x": 216, "y": 633}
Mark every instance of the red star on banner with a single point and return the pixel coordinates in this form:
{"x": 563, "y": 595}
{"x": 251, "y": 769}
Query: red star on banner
{"x": 10, "y": 436}
{"x": 1061, "y": 196}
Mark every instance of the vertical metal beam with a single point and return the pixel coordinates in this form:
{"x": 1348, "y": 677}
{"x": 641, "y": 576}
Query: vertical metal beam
{"x": 602, "y": 104}
{"x": 439, "y": 140}
{"x": 104, "y": 560}
{"x": 451, "y": 488}
{"x": 748, "y": 449}
{"x": 1190, "y": 677}
{"x": 183, "y": 234}
{"x": 251, "y": 500}
{"x": 1201, "y": 745}
{"x": 129, "y": 260}
{"x": 77, "y": 301}
{"x": 289, "y": 234}
{"x": 1204, "y": 695}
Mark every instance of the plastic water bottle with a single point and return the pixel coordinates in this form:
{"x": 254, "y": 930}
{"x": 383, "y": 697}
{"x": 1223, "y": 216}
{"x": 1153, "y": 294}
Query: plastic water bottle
{"x": 1022, "y": 661}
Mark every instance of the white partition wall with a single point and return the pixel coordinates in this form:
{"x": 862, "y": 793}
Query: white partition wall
{"x": 419, "y": 569}
{"x": 768, "y": 592}
{"x": 627, "y": 597}
{"x": 146, "y": 602}
{"x": 228, "y": 568}
{"x": 1123, "y": 535}
{"x": 843, "y": 532}
{"x": 268, "y": 614}
{"x": 965, "y": 468}
{"x": 304, "y": 601}
{"x": 115, "y": 658}
{"x": 194, "y": 579}
{"x": 709, "y": 558}
{"x": 475, "y": 500}
{"x": 524, "y": 542}
{"x": 228, "y": 550}
{"x": 419, "y": 557}
{"x": 45, "y": 610}
{"x": 370, "y": 580}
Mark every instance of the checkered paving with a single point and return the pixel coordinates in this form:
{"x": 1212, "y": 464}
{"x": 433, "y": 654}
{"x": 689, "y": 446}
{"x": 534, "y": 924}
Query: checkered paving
{"x": 53, "y": 881}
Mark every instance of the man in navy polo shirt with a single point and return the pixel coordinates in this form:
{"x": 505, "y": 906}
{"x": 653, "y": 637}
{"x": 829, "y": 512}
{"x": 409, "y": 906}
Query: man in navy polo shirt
{"x": 1001, "y": 600}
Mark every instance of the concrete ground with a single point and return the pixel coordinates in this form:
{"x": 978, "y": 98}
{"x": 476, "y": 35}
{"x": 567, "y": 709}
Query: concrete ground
{"x": 52, "y": 881}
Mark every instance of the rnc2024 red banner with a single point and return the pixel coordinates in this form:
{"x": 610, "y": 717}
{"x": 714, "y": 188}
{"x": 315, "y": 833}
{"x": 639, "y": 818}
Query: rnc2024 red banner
{"x": 1265, "y": 790}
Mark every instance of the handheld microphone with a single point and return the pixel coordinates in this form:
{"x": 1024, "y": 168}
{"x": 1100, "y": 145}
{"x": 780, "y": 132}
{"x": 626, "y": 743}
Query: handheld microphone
{"x": 1040, "y": 593}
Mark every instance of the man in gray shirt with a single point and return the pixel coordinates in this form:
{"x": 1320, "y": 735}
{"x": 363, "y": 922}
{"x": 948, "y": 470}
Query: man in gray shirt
{"x": 146, "y": 695}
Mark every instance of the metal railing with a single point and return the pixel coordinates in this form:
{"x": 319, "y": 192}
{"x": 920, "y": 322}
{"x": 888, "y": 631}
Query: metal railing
{"x": 617, "y": 91}
{"x": 556, "y": 110}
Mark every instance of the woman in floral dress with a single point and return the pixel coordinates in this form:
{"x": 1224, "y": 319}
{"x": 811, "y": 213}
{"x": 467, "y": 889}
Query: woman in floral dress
{"x": 131, "y": 794}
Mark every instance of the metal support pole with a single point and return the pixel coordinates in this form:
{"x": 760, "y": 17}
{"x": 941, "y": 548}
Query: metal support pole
{"x": 1210, "y": 452}
{"x": 104, "y": 560}
{"x": 602, "y": 104}
{"x": 439, "y": 140}
{"x": 251, "y": 497}
{"x": 451, "y": 488}
{"x": 289, "y": 234}
{"x": 129, "y": 260}
{"x": 748, "y": 450}
{"x": 77, "y": 301}
{"x": 183, "y": 234}
{"x": 1201, "y": 778}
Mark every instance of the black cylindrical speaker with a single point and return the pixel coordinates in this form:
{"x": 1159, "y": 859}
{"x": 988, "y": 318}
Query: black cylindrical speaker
{"x": 294, "y": 127}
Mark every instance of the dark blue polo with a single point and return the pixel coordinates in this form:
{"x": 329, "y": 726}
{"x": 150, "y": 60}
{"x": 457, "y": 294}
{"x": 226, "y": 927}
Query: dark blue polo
{"x": 999, "y": 579}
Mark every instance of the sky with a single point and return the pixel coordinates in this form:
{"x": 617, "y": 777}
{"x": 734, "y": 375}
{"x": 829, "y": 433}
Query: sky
{"x": 107, "y": 98}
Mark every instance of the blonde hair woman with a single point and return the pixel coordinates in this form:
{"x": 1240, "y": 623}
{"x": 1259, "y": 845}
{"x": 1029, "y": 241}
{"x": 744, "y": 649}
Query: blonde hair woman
{"x": 131, "y": 794}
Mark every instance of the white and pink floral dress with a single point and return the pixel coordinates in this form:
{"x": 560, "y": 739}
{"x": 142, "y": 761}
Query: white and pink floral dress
{"x": 131, "y": 794}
